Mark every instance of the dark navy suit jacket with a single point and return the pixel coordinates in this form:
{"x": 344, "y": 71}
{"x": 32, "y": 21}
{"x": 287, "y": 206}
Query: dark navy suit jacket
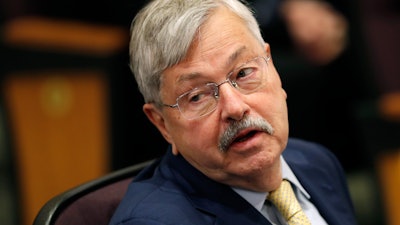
{"x": 173, "y": 192}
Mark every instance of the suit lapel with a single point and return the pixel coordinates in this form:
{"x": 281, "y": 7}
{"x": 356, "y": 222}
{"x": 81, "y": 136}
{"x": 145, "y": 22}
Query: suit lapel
{"x": 214, "y": 198}
{"x": 323, "y": 180}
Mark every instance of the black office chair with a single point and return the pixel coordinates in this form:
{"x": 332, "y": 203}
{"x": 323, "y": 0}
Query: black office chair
{"x": 92, "y": 203}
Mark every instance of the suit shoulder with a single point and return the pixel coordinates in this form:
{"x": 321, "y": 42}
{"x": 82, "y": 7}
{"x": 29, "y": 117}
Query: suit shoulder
{"x": 300, "y": 150}
{"x": 296, "y": 145}
{"x": 154, "y": 201}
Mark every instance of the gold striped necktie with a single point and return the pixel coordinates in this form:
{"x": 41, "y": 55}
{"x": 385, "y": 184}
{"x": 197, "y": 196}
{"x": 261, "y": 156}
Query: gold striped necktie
{"x": 285, "y": 201}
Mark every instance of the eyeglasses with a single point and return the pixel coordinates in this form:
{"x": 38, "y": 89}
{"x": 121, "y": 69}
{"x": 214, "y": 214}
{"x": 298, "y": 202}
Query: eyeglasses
{"x": 201, "y": 101}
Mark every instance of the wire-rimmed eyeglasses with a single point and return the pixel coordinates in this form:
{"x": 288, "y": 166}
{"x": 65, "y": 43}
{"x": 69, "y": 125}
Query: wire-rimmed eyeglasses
{"x": 202, "y": 100}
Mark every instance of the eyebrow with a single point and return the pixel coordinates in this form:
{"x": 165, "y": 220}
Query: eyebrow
{"x": 233, "y": 57}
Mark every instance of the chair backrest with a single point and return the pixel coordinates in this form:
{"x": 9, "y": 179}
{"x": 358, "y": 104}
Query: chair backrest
{"x": 92, "y": 203}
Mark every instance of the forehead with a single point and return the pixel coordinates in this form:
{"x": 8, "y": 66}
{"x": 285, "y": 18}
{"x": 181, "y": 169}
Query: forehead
{"x": 221, "y": 40}
{"x": 222, "y": 31}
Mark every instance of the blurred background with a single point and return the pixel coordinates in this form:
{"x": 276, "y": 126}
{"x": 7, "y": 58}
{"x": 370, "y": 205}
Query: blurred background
{"x": 70, "y": 110}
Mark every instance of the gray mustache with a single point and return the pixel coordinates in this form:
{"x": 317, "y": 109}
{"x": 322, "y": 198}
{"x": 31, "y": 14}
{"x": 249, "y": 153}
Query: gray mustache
{"x": 237, "y": 126}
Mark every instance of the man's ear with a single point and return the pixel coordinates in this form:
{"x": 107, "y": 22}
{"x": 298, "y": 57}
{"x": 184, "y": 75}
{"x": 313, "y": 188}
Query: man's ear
{"x": 267, "y": 49}
{"x": 284, "y": 93}
{"x": 157, "y": 118}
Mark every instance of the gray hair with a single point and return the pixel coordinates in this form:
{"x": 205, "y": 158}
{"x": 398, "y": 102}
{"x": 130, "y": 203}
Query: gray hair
{"x": 162, "y": 32}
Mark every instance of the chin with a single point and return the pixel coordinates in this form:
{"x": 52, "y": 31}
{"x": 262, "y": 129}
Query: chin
{"x": 257, "y": 164}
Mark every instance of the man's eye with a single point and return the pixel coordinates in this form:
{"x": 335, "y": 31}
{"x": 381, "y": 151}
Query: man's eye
{"x": 244, "y": 72}
{"x": 196, "y": 96}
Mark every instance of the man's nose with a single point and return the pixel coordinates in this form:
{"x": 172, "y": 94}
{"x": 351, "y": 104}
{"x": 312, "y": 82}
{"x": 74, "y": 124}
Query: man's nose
{"x": 231, "y": 101}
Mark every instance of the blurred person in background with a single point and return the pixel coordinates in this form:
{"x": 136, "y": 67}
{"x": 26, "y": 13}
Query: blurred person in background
{"x": 315, "y": 42}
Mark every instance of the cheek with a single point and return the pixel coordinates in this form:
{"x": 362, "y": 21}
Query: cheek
{"x": 271, "y": 105}
{"x": 196, "y": 136}
{"x": 199, "y": 145}
{"x": 270, "y": 101}
{"x": 205, "y": 134}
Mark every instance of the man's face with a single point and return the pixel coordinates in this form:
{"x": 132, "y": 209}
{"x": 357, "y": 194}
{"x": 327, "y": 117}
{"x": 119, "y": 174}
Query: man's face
{"x": 251, "y": 159}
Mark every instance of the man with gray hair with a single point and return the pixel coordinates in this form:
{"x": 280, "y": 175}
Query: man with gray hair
{"x": 211, "y": 89}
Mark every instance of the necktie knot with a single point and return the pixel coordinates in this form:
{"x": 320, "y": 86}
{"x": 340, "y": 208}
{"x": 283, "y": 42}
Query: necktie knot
{"x": 285, "y": 201}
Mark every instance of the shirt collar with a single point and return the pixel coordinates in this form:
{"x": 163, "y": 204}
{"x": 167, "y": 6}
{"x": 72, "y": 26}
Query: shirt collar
{"x": 288, "y": 174}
